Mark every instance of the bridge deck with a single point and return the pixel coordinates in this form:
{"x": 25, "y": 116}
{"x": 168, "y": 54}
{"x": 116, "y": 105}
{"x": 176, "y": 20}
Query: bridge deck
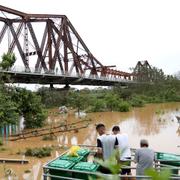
{"x": 52, "y": 78}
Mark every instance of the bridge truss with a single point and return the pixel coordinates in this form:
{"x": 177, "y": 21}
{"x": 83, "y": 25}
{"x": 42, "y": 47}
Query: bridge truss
{"x": 143, "y": 72}
{"x": 49, "y": 44}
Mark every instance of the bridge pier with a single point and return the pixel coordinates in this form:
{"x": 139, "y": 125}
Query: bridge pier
{"x": 67, "y": 87}
{"x": 51, "y": 86}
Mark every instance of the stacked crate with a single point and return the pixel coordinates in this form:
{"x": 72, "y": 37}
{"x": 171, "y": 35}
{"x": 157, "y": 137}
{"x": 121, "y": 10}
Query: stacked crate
{"x": 62, "y": 166}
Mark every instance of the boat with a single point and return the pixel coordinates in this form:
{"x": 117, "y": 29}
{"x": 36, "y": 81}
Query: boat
{"x": 169, "y": 160}
{"x": 82, "y": 167}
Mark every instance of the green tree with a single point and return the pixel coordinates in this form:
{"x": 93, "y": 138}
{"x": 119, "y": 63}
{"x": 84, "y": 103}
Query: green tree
{"x": 98, "y": 106}
{"x": 78, "y": 100}
{"x": 8, "y": 60}
{"x": 112, "y": 101}
{"x": 137, "y": 101}
{"x": 123, "y": 106}
{"x": 30, "y": 106}
{"x": 47, "y": 97}
{"x": 8, "y": 110}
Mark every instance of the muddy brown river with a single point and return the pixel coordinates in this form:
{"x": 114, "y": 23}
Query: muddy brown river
{"x": 155, "y": 122}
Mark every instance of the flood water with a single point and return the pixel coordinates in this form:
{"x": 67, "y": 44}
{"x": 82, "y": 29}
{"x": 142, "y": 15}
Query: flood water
{"x": 155, "y": 122}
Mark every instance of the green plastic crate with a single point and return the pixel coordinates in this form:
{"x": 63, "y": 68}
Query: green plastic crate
{"x": 60, "y": 168}
{"x": 83, "y": 152}
{"x": 70, "y": 158}
{"x": 85, "y": 166}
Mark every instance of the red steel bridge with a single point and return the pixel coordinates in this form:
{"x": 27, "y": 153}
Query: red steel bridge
{"x": 49, "y": 50}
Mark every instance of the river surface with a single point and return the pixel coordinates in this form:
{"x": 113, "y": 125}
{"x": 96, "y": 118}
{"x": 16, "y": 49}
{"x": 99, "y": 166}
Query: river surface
{"x": 155, "y": 122}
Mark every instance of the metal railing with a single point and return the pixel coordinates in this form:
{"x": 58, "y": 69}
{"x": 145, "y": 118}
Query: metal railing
{"x": 32, "y": 70}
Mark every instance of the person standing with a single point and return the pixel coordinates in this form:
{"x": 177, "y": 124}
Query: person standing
{"x": 106, "y": 143}
{"x": 123, "y": 145}
{"x": 144, "y": 157}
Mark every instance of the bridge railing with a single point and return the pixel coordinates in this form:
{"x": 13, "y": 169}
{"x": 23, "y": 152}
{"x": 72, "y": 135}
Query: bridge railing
{"x": 32, "y": 70}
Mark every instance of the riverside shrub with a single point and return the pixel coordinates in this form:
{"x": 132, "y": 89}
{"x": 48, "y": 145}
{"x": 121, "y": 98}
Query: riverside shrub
{"x": 137, "y": 102}
{"x": 1, "y": 142}
{"x": 123, "y": 106}
{"x": 39, "y": 152}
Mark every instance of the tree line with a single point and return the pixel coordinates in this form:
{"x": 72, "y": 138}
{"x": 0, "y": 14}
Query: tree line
{"x": 161, "y": 88}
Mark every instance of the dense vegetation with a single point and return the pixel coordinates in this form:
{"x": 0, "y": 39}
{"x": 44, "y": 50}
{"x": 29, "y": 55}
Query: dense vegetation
{"x": 160, "y": 88}
{"x": 16, "y": 102}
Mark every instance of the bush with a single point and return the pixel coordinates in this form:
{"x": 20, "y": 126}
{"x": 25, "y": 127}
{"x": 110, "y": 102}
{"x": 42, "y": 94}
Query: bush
{"x": 49, "y": 137}
{"x": 98, "y": 106}
{"x": 1, "y": 142}
{"x": 123, "y": 106}
{"x": 137, "y": 102}
{"x": 2, "y": 149}
{"x": 39, "y": 152}
{"x": 27, "y": 171}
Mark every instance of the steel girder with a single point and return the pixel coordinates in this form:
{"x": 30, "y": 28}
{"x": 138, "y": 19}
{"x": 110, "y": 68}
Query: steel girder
{"x": 142, "y": 71}
{"x": 60, "y": 47}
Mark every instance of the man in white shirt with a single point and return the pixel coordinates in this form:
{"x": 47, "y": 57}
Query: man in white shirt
{"x": 106, "y": 143}
{"x": 125, "y": 153}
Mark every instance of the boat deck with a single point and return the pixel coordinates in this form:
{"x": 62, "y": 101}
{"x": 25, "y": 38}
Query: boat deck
{"x": 62, "y": 173}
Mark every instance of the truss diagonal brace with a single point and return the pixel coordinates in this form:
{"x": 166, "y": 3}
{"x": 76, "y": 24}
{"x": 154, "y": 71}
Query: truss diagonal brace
{"x": 39, "y": 52}
{"x": 37, "y": 66}
{"x": 12, "y": 45}
{"x": 18, "y": 45}
{"x": 58, "y": 53}
{"x": 3, "y": 32}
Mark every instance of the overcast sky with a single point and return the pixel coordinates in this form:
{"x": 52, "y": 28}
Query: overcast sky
{"x": 120, "y": 32}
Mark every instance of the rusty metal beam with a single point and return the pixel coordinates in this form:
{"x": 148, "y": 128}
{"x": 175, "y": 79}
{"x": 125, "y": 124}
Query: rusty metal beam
{"x": 57, "y": 43}
{"x": 37, "y": 66}
{"x": 58, "y": 53}
{"x": 46, "y": 16}
{"x": 49, "y": 42}
{"x": 28, "y": 16}
{"x": 28, "y": 20}
{"x": 13, "y": 43}
{"x": 80, "y": 40}
{"x": 66, "y": 66}
{"x": 12, "y": 11}
{"x": 3, "y": 19}
{"x": 75, "y": 57}
{"x": 38, "y": 49}
{"x": 3, "y": 31}
{"x": 18, "y": 45}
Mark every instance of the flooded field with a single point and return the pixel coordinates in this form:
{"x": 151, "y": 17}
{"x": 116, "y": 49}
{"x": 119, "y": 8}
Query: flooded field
{"x": 155, "y": 122}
